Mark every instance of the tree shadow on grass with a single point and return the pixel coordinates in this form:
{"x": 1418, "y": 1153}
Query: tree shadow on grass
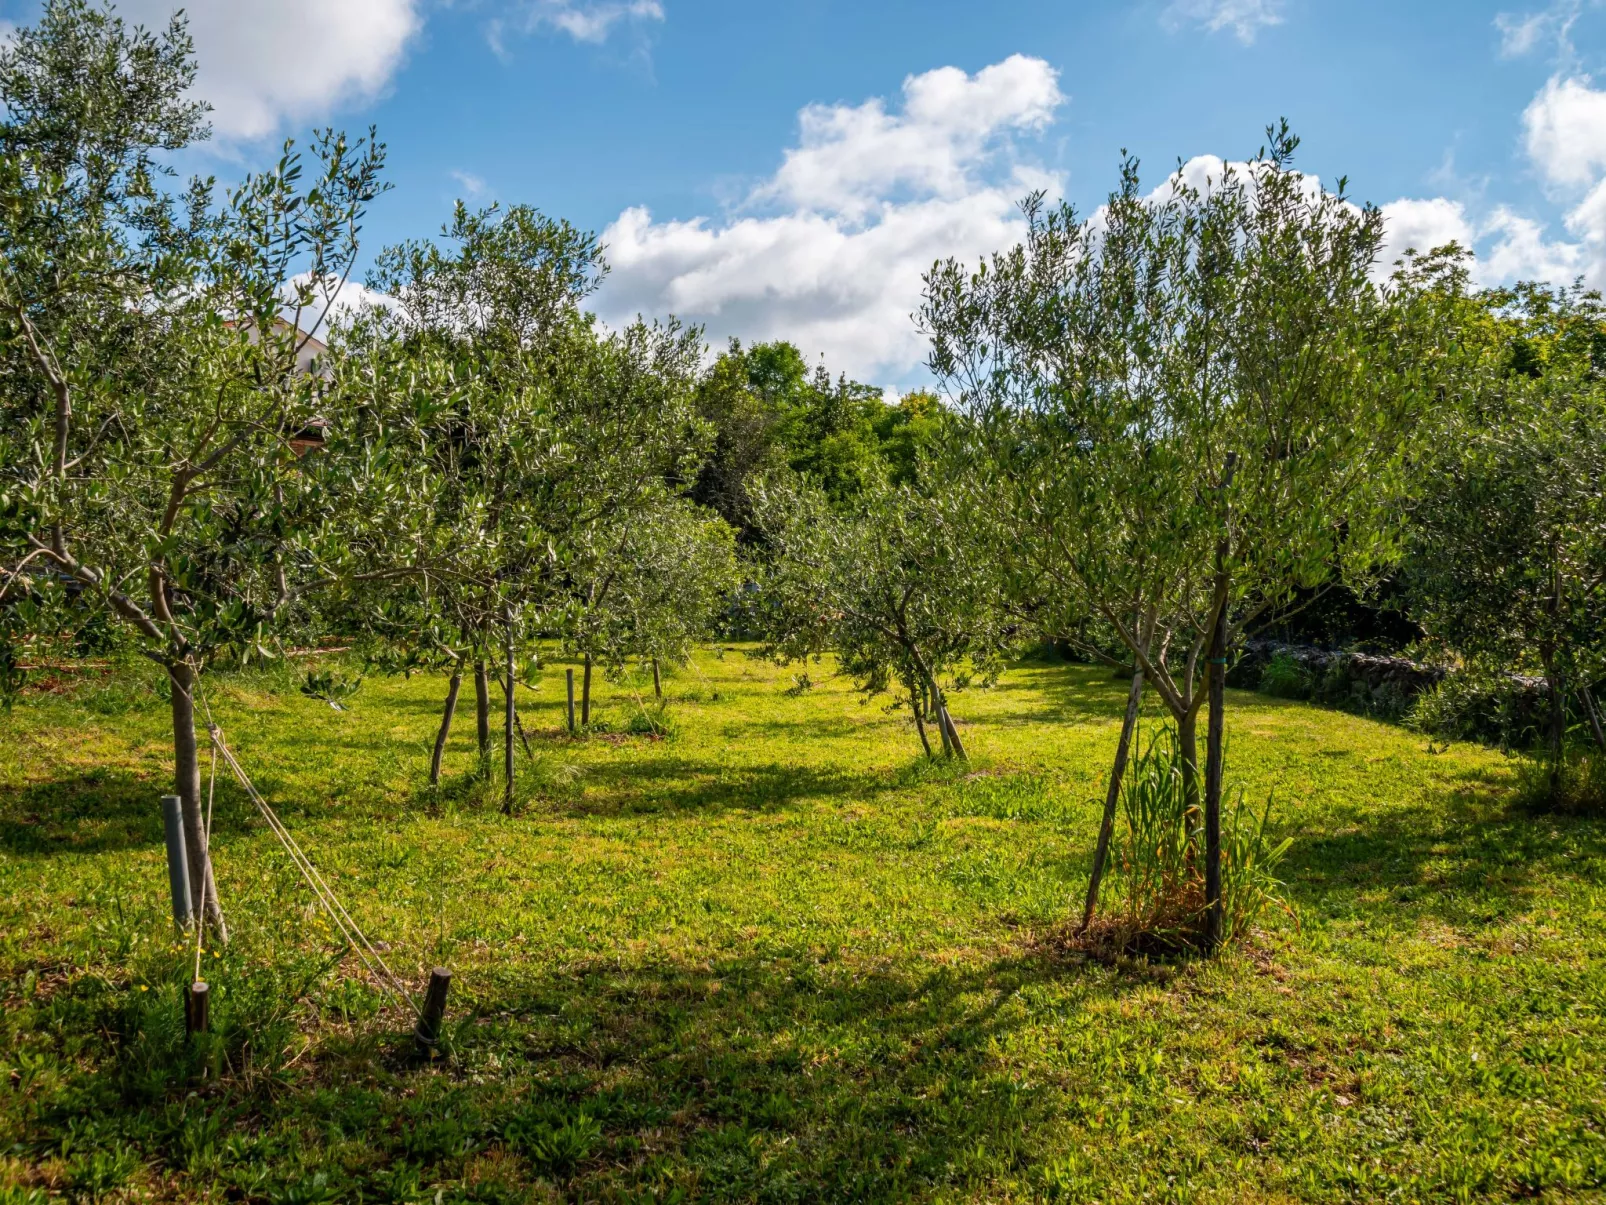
{"x": 1463, "y": 856}
{"x": 777, "y": 1075}
{"x": 100, "y": 811}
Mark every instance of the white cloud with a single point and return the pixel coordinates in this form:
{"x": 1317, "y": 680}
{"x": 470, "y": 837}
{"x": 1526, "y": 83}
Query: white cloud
{"x": 263, "y": 65}
{"x": 1565, "y": 131}
{"x": 471, "y": 184}
{"x": 853, "y": 158}
{"x": 332, "y": 303}
{"x": 583, "y": 20}
{"x": 1246, "y": 18}
{"x": 1521, "y": 252}
{"x": 830, "y": 250}
{"x": 1422, "y": 225}
{"x": 1519, "y": 35}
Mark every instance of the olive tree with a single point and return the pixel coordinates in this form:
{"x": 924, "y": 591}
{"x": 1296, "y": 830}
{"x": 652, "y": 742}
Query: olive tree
{"x": 894, "y": 581}
{"x": 648, "y": 585}
{"x": 534, "y": 430}
{"x": 1197, "y": 404}
{"x": 481, "y": 322}
{"x": 156, "y": 359}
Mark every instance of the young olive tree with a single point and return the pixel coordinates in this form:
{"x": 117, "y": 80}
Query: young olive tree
{"x": 1507, "y": 560}
{"x": 540, "y": 430}
{"x": 481, "y": 325}
{"x": 158, "y": 388}
{"x": 1196, "y": 405}
{"x": 893, "y": 582}
{"x": 649, "y": 586}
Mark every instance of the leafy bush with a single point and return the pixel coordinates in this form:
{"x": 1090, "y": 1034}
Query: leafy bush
{"x": 656, "y": 721}
{"x": 1479, "y": 704}
{"x": 1286, "y": 678}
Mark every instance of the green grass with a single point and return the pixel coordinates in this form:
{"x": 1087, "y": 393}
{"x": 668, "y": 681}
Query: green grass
{"x": 774, "y": 957}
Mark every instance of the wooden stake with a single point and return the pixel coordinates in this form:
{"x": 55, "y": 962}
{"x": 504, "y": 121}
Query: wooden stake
{"x": 428, "y": 1033}
{"x": 197, "y": 1008}
{"x": 568, "y": 677}
{"x": 657, "y": 680}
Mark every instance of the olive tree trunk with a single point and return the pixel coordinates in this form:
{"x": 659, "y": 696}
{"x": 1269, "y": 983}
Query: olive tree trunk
{"x": 482, "y": 710}
{"x": 918, "y": 709}
{"x": 1215, "y": 912}
{"x": 187, "y": 786}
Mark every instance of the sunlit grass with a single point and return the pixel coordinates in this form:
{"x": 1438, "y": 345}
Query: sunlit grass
{"x": 776, "y": 956}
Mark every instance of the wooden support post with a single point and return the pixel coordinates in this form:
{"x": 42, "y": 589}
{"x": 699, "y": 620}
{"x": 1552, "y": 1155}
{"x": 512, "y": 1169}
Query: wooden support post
{"x": 585, "y": 694}
{"x": 197, "y": 1008}
{"x": 657, "y": 681}
{"x": 428, "y": 1033}
{"x": 568, "y": 677}
{"x": 178, "y": 863}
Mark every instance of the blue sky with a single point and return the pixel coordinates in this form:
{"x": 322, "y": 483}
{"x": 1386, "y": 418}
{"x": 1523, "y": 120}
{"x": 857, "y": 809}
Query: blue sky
{"x": 788, "y": 169}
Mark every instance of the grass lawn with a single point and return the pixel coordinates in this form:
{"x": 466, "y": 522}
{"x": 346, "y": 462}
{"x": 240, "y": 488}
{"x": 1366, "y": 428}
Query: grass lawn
{"x": 774, "y": 957}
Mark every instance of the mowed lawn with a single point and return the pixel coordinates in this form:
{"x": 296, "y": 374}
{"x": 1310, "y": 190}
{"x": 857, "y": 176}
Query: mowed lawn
{"x": 775, "y": 957}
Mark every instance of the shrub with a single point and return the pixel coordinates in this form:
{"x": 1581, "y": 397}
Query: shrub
{"x": 1285, "y": 678}
{"x": 1477, "y": 704}
{"x": 656, "y": 721}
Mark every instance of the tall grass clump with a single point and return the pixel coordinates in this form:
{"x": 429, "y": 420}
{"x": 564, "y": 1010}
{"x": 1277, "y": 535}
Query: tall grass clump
{"x": 1576, "y": 784}
{"x": 1155, "y": 897}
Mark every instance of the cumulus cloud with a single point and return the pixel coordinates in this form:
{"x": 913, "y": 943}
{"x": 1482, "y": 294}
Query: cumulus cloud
{"x": 332, "y": 302}
{"x": 1245, "y": 18}
{"x": 263, "y": 65}
{"x": 829, "y": 251}
{"x": 1564, "y": 130}
{"x": 1423, "y": 225}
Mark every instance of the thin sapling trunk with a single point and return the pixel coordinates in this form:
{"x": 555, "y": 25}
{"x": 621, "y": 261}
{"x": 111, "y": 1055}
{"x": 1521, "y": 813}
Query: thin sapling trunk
{"x": 510, "y": 721}
{"x": 1588, "y": 696}
{"x": 585, "y": 694}
{"x": 447, "y": 712}
{"x": 1214, "y": 740}
{"x": 657, "y": 681}
{"x": 1112, "y": 797}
